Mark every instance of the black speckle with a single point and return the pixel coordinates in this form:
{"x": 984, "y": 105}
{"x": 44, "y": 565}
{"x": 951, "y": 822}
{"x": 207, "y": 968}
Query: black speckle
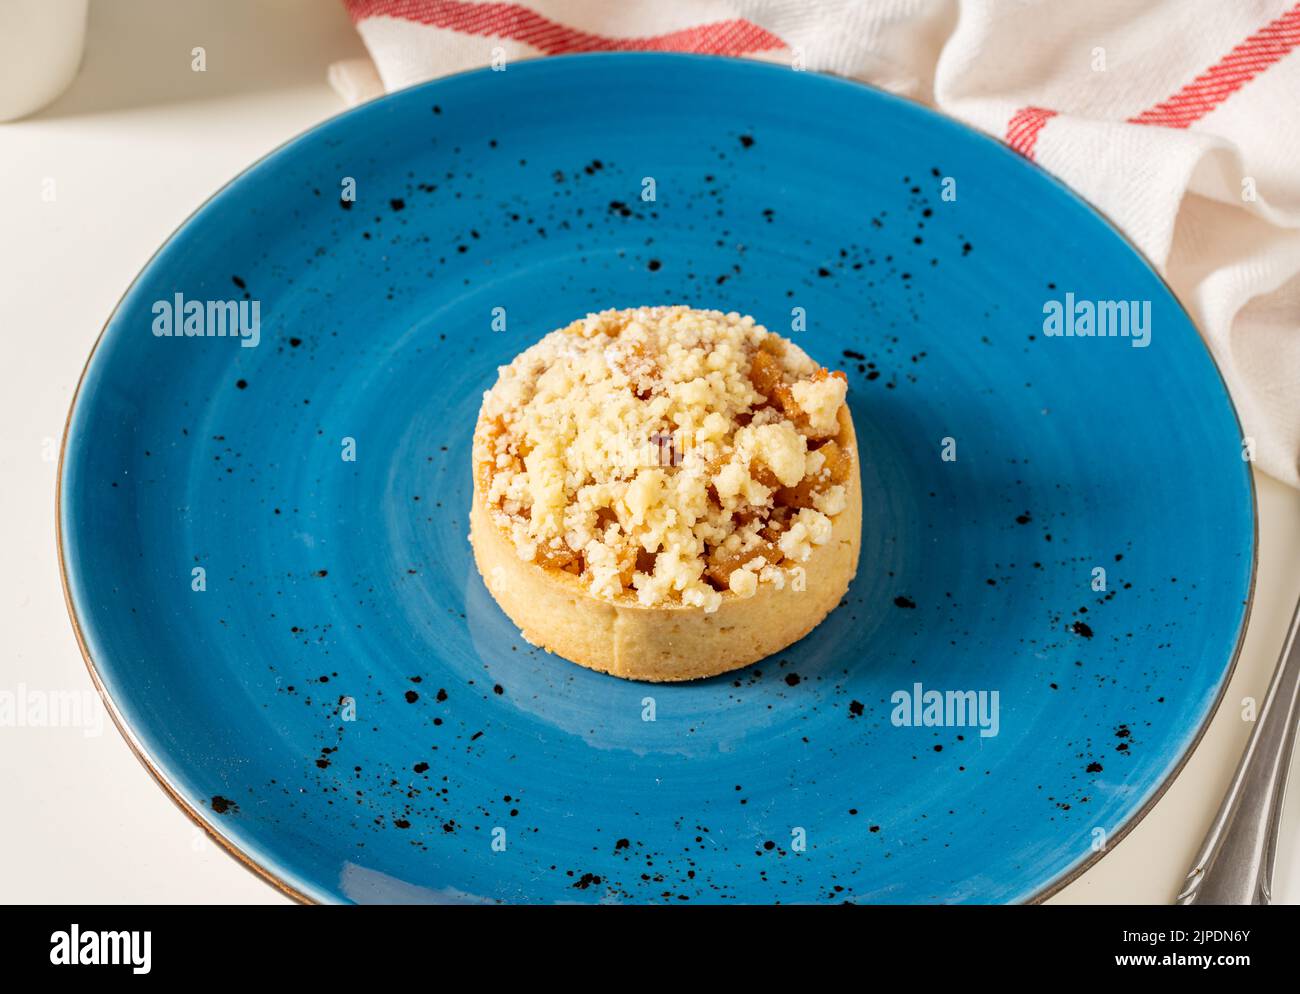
{"x": 1022, "y": 519}
{"x": 411, "y": 697}
{"x": 1081, "y": 628}
{"x": 241, "y": 384}
{"x": 856, "y": 708}
{"x": 239, "y": 282}
{"x": 222, "y": 805}
{"x": 653, "y": 265}
{"x": 901, "y": 601}
{"x": 792, "y": 679}
{"x": 397, "y": 203}
{"x": 1094, "y": 768}
{"x": 747, "y": 141}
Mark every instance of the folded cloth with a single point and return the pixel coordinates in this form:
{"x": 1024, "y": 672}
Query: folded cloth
{"x": 1178, "y": 119}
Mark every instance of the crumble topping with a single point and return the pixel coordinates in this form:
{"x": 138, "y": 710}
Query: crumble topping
{"x": 665, "y": 453}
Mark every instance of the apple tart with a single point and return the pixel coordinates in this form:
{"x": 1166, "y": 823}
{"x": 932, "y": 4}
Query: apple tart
{"x": 665, "y": 493}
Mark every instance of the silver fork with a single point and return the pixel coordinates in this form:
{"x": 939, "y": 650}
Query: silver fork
{"x": 1235, "y": 864}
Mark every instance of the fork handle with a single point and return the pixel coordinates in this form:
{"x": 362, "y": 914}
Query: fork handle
{"x": 1235, "y": 864}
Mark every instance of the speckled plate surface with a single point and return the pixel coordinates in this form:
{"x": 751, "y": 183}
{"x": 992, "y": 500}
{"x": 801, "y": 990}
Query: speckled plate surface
{"x": 470, "y": 766}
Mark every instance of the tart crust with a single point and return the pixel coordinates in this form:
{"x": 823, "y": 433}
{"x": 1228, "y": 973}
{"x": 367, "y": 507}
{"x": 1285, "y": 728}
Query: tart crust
{"x": 669, "y": 642}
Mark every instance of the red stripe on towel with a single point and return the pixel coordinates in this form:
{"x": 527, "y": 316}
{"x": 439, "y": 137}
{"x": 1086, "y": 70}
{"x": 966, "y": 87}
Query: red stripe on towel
{"x": 523, "y": 24}
{"x": 1023, "y": 128}
{"x": 1246, "y": 61}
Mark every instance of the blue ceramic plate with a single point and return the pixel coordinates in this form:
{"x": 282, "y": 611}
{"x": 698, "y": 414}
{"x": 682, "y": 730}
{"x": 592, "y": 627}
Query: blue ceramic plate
{"x": 298, "y": 644}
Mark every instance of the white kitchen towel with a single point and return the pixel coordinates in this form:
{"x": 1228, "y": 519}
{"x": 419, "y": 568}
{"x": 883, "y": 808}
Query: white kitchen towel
{"x": 1179, "y": 119}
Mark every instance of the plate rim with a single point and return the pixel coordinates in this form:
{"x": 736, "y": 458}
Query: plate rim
{"x": 267, "y": 868}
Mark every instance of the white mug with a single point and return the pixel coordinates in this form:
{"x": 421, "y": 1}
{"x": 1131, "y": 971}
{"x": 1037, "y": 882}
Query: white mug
{"x": 41, "y": 43}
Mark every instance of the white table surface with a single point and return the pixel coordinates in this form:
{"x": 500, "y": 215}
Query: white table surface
{"x": 137, "y": 143}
